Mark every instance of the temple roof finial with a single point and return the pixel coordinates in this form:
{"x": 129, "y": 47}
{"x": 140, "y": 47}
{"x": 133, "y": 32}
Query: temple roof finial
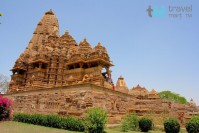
{"x": 66, "y": 32}
{"x": 121, "y": 77}
{"x": 50, "y": 12}
{"x": 99, "y": 44}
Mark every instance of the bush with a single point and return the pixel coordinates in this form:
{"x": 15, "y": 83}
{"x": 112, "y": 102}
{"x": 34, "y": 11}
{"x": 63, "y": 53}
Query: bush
{"x": 192, "y": 125}
{"x": 38, "y": 119}
{"x": 145, "y": 124}
{"x": 55, "y": 121}
{"x": 95, "y": 120}
{"x": 71, "y": 123}
{"x": 130, "y": 122}
{"x": 5, "y": 108}
{"x": 171, "y": 126}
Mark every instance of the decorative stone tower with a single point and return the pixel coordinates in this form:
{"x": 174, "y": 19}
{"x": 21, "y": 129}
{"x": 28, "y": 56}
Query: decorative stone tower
{"x": 139, "y": 91}
{"x": 53, "y": 61}
{"x": 153, "y": 94}
{"x": 192, "y": 103}
{"x": 121, "y": 85}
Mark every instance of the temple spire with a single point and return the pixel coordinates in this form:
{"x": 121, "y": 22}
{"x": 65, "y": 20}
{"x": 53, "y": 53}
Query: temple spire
{"x": 121, "y": 85}
{"x": 50, "y": 12}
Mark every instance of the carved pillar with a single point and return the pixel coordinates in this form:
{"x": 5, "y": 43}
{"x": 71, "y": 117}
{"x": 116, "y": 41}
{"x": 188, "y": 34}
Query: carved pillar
{"x": 60, "y": 71}
{"x": 52, "y": 71}
{"x": 48, "y": 70}
{"x": 40, "y": 64}
{"x": 81, "y": 64}
{"x": 29, "y": 74}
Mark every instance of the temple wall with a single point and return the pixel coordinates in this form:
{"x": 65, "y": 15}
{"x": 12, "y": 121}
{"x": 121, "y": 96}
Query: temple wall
{"x": 76, "y": 99}
{"x": 70, "y": 100}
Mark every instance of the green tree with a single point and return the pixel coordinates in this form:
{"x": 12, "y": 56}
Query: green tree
{"x": 171, "y": 96}
{"x": 95, "y": 120}
{"x": 171, "y": 125}
{"x": 145, "y": 124}
{"x": 192, "y": 125}
{"x": 130, "y": 122}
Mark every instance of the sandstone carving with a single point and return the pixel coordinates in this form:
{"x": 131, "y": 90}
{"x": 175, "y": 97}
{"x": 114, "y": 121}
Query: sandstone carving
{"x": 52, "y": 60}
{"x": 56, "y": 75}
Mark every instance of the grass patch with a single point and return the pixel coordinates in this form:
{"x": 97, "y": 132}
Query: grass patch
{"x": 18, "y": 127}
{"x": 118, "y": 129}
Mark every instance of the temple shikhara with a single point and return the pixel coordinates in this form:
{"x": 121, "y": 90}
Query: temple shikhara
{"x": 55, "y": 74}
{"x": 51, "y": 60}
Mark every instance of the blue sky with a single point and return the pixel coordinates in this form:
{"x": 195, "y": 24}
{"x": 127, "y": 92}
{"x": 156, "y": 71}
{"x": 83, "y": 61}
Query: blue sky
{"x": 160, "y": 53}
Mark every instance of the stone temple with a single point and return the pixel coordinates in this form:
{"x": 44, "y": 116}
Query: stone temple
{"x": 55, "y": 74}
{"x": 53, "y": 61}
